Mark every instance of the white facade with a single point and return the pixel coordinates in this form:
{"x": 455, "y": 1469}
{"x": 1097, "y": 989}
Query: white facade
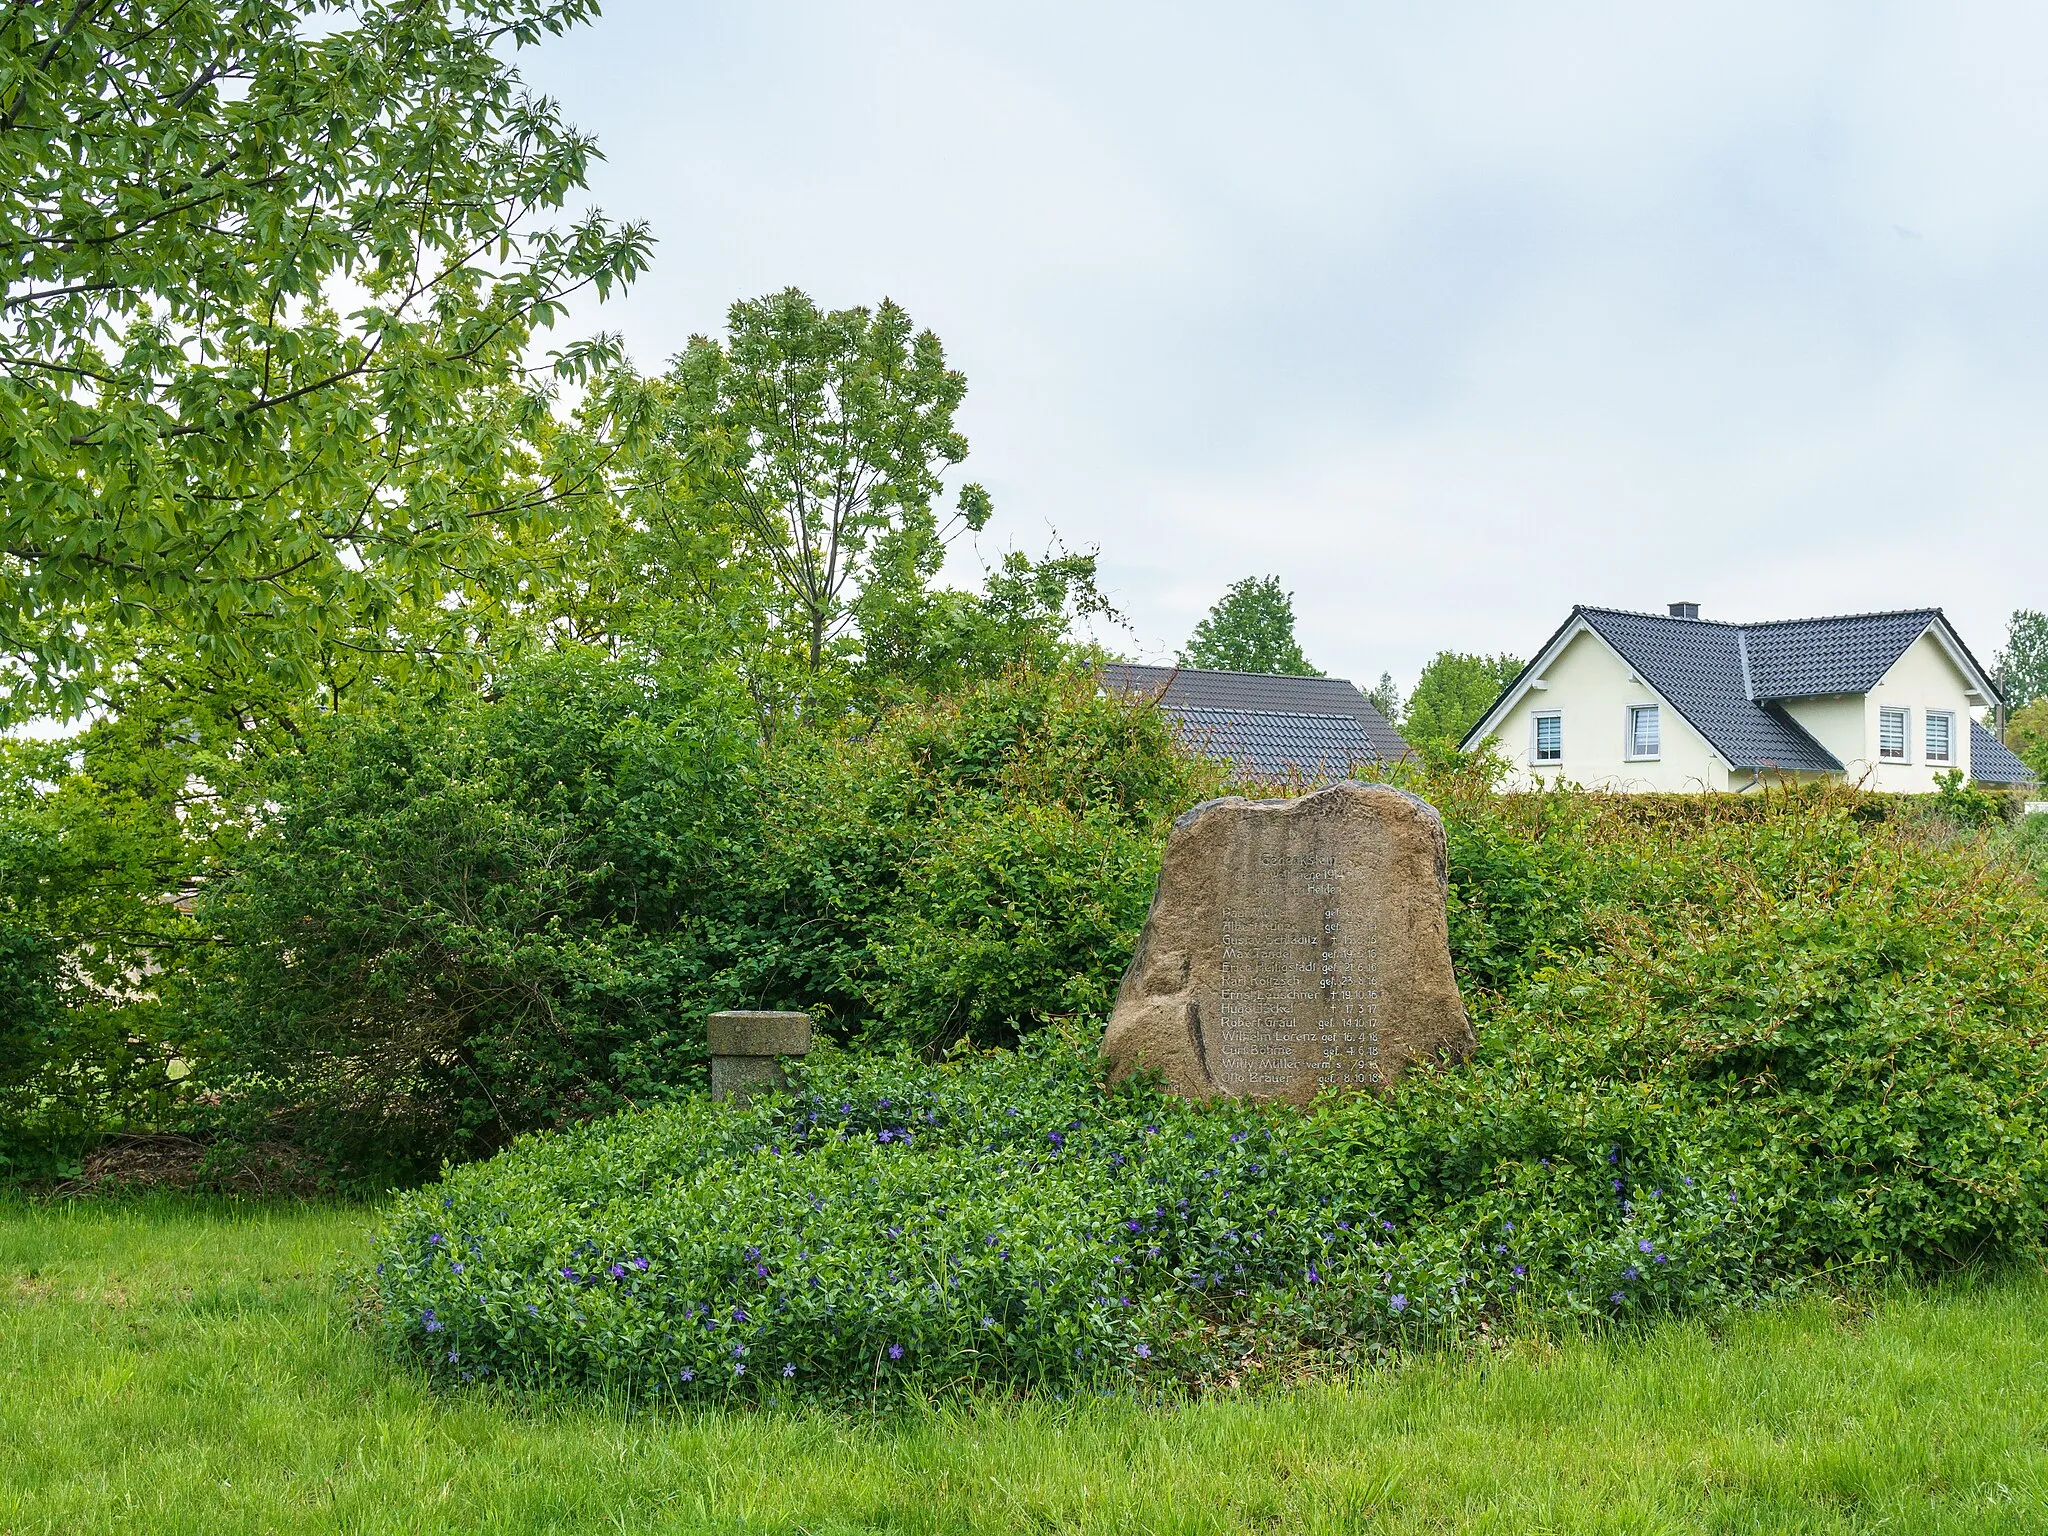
{"x": 1578, "y": 715}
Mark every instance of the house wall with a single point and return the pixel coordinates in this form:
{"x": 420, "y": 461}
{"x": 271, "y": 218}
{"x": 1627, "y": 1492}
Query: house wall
{"x": 1591, "y": 689}
{"x": 1923, "y": 678}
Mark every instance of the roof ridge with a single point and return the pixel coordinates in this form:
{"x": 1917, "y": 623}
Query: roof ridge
{"x": 1157, "y": 666}
{"x": 1634, "y": 613}
{"x": 1836, "y": 618}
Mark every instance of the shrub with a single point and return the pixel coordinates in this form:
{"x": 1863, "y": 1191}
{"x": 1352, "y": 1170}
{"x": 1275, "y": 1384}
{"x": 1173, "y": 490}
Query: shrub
{"x": 1719, "y": 1049}
{"x": 516, "y": 912}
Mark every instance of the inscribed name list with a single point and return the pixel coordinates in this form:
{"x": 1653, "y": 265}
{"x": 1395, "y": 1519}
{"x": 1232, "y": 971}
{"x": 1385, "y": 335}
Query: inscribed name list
{"x": 1298, "y": 986}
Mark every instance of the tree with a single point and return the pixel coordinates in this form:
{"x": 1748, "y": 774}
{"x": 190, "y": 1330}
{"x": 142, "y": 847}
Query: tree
{"x": 2027, "y": 734}
{"x": 266, "y": 310}
{"x": 1452, "y": 694}
{"x": 1251, "y": 629}
{"x": 823, "y": 439}
{"x": 1386, "y": 697}
{"x": 2023, "y": 665}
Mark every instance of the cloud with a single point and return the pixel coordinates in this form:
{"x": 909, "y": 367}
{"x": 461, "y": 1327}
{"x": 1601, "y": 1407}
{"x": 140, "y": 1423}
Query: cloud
{"x": 1449, "y": 316}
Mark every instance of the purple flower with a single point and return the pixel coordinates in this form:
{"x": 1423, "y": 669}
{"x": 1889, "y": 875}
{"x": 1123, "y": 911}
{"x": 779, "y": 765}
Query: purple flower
{"x": 1614, "y": 1154}
{"x": 1662, "y": 1258}
{"x": 1237, "y": 1135}
{"x": 1133, "y": 1225}
{"x": 739, "y": 1370}
{"x": 433, "y": 1239}
{"x": 884, "y": 1136}
{"x": 686, "y": 1374}
{"x": 1521, "y": 1271}
{"x": 1617, "y": 1185}
{"x": 1143, "y": 1351}
{"x": 788, "y": 1371}
{"x": 738, "y": 1350}
{"x": 617, "y": 1271}
{"x": 639, "y": 1263}
{"x": 1056, "y": 1138}
{"x": 1644, "y": 1245}
{"x": 430, "y": 1322}
{"x": 1398, "y": 1302}
{"x": 568, "y": 1273}
{"x": 883, "y": 1102}
{"x": 739, "y": 1314}
{"x": 895, "y": 1231}
{"x": 1617, "y": 1298}
{"x": 453, "y": 1356}
{"x": 1387, "y": 1226}
{"x": 456, "y": 1266}
{"x": 1686, "y": 1179}
{"x": 761, "y": 1270}
{"x": 1631, "y": 1273}
{"x": 1151, "y": 1130}
{"x": 988, "y": 1322}
{"x": 753, "y": 1254}
{"x": 895, "y": 1351}
{"x": 1343, "y": 1226}
{"x": 1313, "y": 1277}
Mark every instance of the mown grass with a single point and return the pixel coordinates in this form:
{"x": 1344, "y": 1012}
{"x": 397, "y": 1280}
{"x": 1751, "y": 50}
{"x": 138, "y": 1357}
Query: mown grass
{"x": 186, "y": 1366}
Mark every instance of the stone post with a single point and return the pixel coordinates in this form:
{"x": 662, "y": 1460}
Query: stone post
{"x": 744, "y": 1048}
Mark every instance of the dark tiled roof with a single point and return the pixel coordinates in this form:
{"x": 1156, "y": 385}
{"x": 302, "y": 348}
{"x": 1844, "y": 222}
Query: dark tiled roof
{"x": 1184, "y": 689}
{"x": 1993, "y": 762}
{"x": 1698, "y": 667}
{"x": 1268, "y": 745}
{"x": 1805, "y": 658}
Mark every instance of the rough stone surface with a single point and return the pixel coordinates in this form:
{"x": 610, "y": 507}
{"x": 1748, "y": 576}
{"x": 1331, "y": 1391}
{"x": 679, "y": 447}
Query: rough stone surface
{"x": 742, "y": 1033}
{"x": 745, "y": 1047}
{"x": 1294, "y": 945}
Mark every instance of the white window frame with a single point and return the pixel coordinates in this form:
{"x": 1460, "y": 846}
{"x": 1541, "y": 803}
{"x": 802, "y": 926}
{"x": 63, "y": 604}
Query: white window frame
{"x": 1536, "y": 717}
{"x": 1905, "y": 733}
{"x": 1927, "y": 719}
{"x": 1628, "y": 733}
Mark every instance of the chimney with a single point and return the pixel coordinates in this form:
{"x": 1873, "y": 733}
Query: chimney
{"x": 1685, "y": 610}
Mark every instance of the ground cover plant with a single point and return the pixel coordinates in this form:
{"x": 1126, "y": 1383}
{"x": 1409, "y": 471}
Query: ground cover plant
{"x": 1724, "y": 1047}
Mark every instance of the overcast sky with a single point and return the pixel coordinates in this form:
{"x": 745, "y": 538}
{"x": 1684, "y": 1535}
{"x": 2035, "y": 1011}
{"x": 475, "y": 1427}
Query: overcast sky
{"x": 1450, "y": 316}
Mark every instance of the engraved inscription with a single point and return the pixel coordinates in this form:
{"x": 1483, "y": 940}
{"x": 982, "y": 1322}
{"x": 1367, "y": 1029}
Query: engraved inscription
{"x": 1299, "y": 989}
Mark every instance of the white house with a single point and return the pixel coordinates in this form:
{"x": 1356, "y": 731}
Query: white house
{"x": 1639, "y": 701}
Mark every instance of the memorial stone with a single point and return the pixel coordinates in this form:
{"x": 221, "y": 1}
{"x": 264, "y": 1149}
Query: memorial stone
{"x": 1292, "y": 946}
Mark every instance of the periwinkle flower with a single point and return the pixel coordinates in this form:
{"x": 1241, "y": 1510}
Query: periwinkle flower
{"x": 1631, "y": 1273}
{"x": 1521, "y": 1271}
{"x": 753, "y": 1254}
{"x": 434, "y": 1239}
{"x": 739, "y": 1370}
{"x": 617, "y": 1271}
{"x": 639, "y": 1263}
{"x": 761, "y": 1270}
{"x": 1134, "y": 1225}
{"x": 428, "y": 1321}
{"x": 1617, "y": 1185}
{"x": 1397, "y": 1302}
{"x": 1143, "y": 1351}
{"x": 686, "y": 1374}
{"x": 1056, "y": 1138}
{"x": 1644, "y": 1245}
{"x": 1662, "y": 1258}
{"x": 988, "y": 1322}
{"x": 1617, "y": 1298}
{"x": 739, "y": 1314}
{"x": 895, "y": 1351}
{"x": 885, "y": 1136}
{"x": 788, "y": 1371}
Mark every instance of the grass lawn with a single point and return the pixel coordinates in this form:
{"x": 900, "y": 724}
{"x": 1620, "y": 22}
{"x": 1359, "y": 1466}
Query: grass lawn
{"x": 185, "y": 1366}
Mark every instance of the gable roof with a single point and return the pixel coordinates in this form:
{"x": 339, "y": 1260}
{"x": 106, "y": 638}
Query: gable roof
{"x": 1698, "y": 668}
{"x": 1729, "y": 680}
{"x": 1993, "y": 762}
{"x": 1805, "y": 658}
{"x": 1268, "y": 726}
